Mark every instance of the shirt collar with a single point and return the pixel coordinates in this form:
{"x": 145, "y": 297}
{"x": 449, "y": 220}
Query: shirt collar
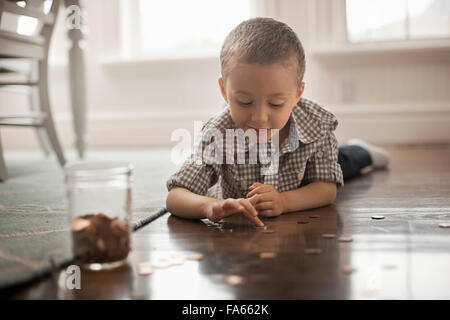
{"x": 302, "y": 128}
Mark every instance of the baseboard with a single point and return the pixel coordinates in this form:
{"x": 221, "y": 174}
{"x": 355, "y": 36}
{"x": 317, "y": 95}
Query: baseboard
{"x": 384, "y": 126}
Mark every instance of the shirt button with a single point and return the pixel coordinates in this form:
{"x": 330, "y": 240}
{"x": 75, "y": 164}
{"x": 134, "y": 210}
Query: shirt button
{"x": 319, "y": 154}
{"x": 244, "y": 184}
{"x": 198, "y": 163}
{"x": 300, "y": 175}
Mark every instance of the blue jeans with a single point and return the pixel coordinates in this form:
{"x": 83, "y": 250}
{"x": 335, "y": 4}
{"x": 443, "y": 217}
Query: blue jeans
{"x": 352, "y": 159}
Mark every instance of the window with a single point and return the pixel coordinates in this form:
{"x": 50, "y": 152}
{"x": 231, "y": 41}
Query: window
{"x": 386, "y": 20}
{"x": 156, "y": 28}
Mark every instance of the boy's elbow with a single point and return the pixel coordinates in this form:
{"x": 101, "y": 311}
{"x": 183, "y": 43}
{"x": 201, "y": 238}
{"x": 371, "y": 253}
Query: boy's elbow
{"x": 332, "y": 193}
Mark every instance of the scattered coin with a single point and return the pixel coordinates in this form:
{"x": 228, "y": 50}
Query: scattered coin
{"x": 389, "y": 266}
{"x": 313, "y": 251}
{"x": 267, "y": 255}
{"x": 345, "y": 239}
{"x": 314, "y": 216}
{"x": 195, "y": 256}
{"x": 370, "y": 292}
{"x": 328, "y": 235}
{"x": 145, "y": 268}
{"x": 302, "y": 222}
{"x": 348, "y": 269}
{"x": 79, "y": 224}
{"x": 234, "y": 280}
{"x": 161, "y": 263}
{"x": 444, "y": 225}
{"x": 268, "y": 231}
{"x": 377, "y": 217}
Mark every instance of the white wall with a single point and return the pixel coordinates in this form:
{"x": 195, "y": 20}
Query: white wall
{"x": 387, "y": 96}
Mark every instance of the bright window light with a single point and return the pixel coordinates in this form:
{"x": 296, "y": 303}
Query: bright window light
{"x": 194, "y": 26}
{"x": 385, "y": 20}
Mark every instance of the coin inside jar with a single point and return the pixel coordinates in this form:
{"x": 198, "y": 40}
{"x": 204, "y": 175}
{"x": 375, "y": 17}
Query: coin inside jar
{"x": 98, "y": 238}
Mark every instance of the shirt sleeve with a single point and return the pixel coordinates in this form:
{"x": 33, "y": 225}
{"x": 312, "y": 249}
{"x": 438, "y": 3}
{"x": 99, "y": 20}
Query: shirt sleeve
{"x": 197, "y": 178}
{"x": 323, "y": 164}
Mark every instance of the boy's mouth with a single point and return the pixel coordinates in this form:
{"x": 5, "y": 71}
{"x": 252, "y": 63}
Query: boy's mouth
{"x": 258, "y": 130}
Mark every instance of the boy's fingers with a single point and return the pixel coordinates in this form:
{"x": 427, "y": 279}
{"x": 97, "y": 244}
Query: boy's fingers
{"x": 264, "y": 206}
{"x": 254, "y": 199}
{"x": 261, "y": 189}
{"x": 251, "y": 213}
{"x": 232, "y": 206}
{"x": 256, "y": 184}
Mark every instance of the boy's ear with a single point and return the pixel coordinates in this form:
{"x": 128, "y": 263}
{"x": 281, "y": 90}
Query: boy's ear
{"x": 222, "y": 89}
{"x": 300, "y": 91}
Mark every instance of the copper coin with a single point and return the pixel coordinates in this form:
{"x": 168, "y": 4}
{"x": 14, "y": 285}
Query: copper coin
{"x": 377, "y": 217}
{"x": 234, "y": 280}
{"x": 444, "y": 225}
{"x": 314, "y": 216}
{"x": 195, "y": 256}
{"x": 80, "y": 224}
{"x": 345, "y": 239}
{"x": 145, "y": 268}
{"x": 348, "y": 269}
{"x": 313, "y": 251}
{"x": 328, "y": 235}
{"x": 268, "y": 231}
{"x": 267, "y": 255}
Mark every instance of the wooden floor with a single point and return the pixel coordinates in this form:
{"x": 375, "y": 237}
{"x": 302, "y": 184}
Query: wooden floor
{"x": 406, "y": 255}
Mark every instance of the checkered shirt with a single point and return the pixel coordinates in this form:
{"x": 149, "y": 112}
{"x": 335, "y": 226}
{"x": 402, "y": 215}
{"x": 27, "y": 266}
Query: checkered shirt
{"x": 309, "y": 154}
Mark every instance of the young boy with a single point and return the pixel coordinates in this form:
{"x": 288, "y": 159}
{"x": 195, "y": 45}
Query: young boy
{"x": 262, "y": 66}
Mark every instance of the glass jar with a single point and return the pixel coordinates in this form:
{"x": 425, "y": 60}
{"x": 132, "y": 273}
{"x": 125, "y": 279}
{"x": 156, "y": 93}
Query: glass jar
{"x": 99, "y": 205}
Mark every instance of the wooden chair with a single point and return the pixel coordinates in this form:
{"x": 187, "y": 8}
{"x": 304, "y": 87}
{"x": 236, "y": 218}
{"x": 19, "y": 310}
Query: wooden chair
{"x": 36, "y": 48}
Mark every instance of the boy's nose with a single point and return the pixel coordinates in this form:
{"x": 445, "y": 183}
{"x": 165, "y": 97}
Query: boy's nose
{"x": 260, "y": 117}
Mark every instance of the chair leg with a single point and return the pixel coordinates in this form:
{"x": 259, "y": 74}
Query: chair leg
{"x": 3, "y": 172}
{"x": 45, "y": 107}
{"x": 34, "y": 106}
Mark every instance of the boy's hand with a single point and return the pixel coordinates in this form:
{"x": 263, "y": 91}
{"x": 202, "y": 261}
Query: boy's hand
{"x": 270, "y": 203}
{"x": 223, "y": 208}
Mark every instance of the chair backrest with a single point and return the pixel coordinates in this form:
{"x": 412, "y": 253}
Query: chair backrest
{"x": 30, "y": 18}
{"x": 26, "y": 27}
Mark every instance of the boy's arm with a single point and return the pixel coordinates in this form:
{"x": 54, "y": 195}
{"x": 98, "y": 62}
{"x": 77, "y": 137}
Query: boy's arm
{"x": 314, "y": 195}
{"x": 184, "y": 203}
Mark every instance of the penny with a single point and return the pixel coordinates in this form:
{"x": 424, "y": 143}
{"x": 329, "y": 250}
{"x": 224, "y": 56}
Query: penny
{"x": 161, "y": 263}
{"x": 302, "y": 222}
{"x": 345, "y": 239}
{"x": 195, "y": 256}
{"x": 268, "y": 231}
{"x": 234, "y": 280}
{"x": 376, "y": 217}
{"x": 348, "y": 269}
{"x": 389, "y": 266}
{"x": 267, "y": 255}
{"x": 79, "y": 224}
{"x": 313, "y": 251}
{"x": 328, "y": 235}
{"x": 314, "y": 216}
{"x": 145, "y": 268}
{"x": 444, "y": 225}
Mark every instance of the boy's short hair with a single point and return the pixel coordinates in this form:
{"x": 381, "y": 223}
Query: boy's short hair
{"x": 263, "y": 41}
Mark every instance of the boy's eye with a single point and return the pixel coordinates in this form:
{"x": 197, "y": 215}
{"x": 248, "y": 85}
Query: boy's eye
{"x": 276, "y": 105}
{"x": 245, "y": 103}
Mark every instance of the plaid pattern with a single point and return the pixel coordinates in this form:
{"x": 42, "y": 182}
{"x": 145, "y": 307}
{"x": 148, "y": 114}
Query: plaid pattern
{"x": 309, "y": 154}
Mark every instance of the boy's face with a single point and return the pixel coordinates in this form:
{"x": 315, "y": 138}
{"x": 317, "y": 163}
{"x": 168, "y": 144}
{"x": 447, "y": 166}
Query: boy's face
{"x": 262, "y": 96}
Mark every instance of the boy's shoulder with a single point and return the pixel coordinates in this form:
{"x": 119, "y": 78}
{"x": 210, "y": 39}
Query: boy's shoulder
{"x": 310, "y": 113}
